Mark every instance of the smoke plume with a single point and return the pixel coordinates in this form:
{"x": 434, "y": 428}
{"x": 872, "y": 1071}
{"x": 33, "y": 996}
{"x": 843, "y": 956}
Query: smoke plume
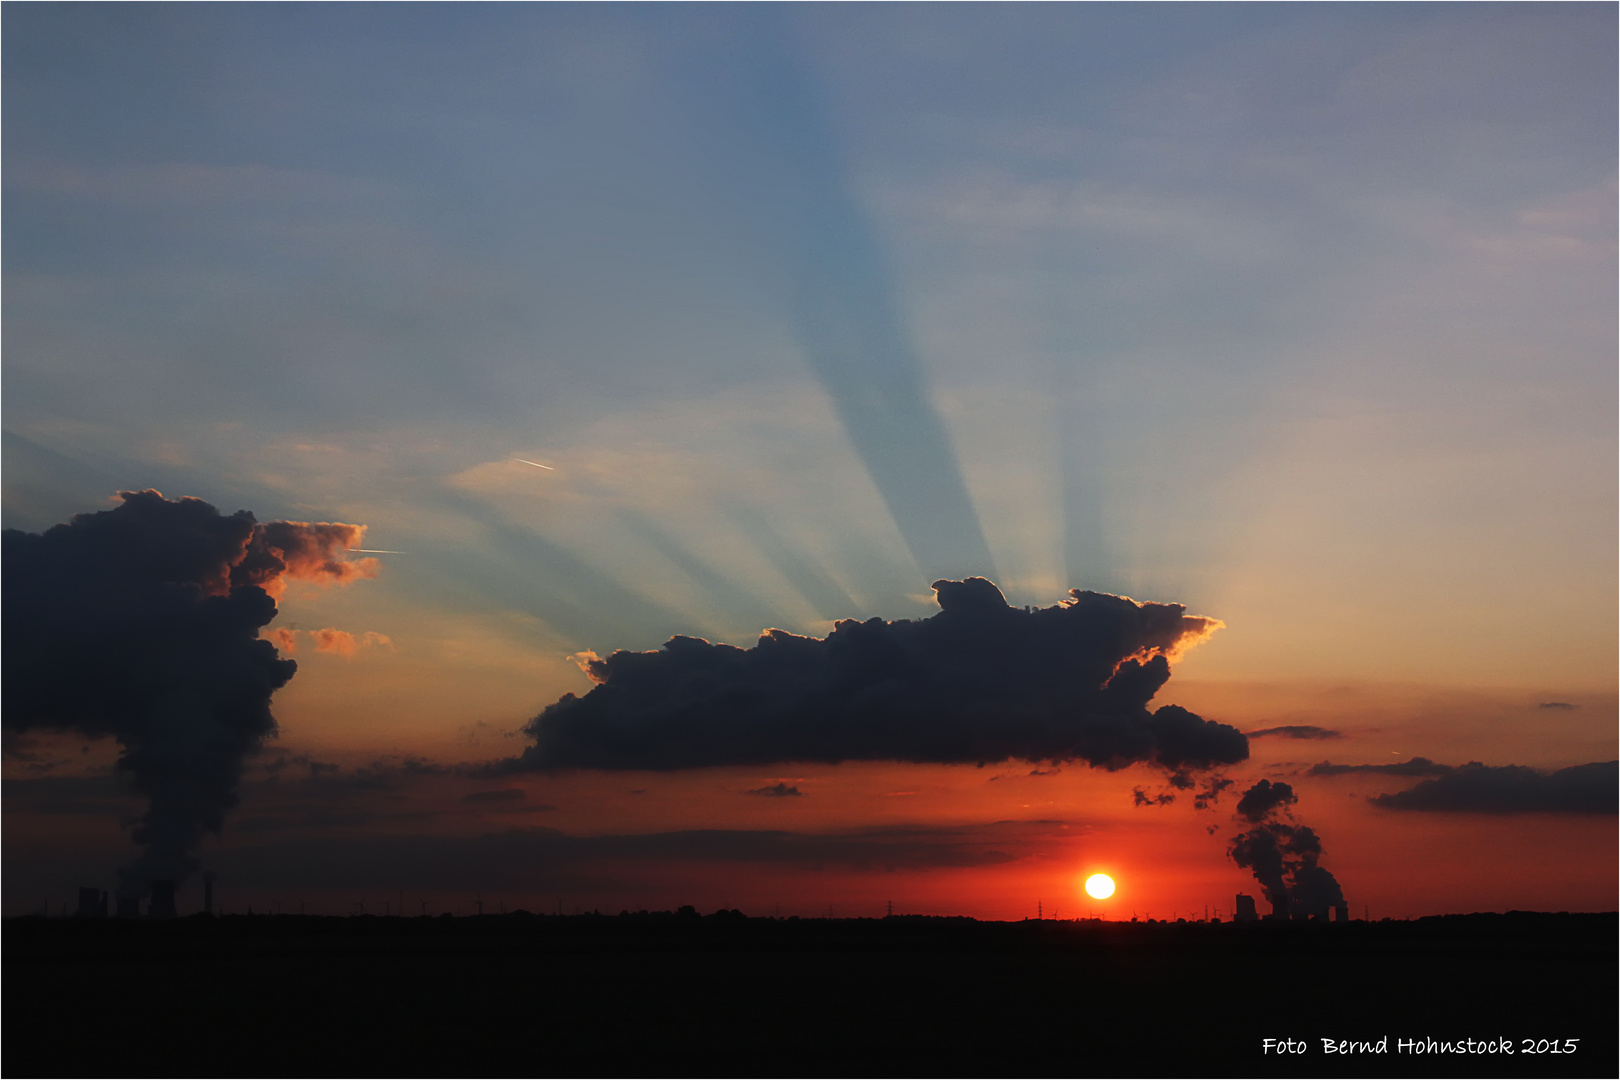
{"x": 142, "y": 623}
{"x": 978, "y": 682}
{"x": 1264, "y": 799}
{"x": 1284, "y": 857}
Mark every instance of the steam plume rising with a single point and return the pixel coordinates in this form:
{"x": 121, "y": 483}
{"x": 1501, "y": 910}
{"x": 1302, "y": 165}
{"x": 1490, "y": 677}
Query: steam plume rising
{"x": 1284, "y": 857}
{"x": 1264, "y": 798}
{"x": 141, "y": 622}
{"x": 978, "y": 682}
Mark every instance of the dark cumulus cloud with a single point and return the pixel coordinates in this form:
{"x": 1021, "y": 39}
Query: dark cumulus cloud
{"x": 1593, "y": 788}
{"x": 1285, "y": 857}
{"x": 978, "y": 682}
{"x": 782, "y": 790}
{"x": 1418, "y": 766}
{"x": 142, "y": 623}
{"x": 1296, "y": 731}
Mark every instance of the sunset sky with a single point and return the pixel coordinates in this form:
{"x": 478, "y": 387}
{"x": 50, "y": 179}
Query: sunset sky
{"x": 611, "y": 323}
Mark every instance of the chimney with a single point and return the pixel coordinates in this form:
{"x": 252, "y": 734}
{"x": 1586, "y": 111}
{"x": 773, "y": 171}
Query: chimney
{"x": 162, "y": 906}
{"x": 1244, "y": 911}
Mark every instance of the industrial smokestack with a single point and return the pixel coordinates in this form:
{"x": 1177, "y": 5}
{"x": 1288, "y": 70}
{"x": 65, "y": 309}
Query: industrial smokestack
{"x": 162, "y": 906}
{"x": 1285, "y": 858}
{"x": 1244, "y": 909}
{"x": 142, "y": 623}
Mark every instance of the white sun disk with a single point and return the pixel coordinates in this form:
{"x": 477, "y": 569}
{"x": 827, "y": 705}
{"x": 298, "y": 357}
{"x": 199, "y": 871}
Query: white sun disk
{"x": 1099, "y": 886}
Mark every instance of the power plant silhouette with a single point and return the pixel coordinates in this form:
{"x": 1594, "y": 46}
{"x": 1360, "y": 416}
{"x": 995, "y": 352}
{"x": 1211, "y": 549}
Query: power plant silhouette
{"x": 93, "y": 904}
{"x": 93, "y": 901}
{"x": 1283, "y": 911}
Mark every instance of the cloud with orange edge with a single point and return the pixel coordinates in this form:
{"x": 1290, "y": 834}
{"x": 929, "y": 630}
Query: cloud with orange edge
{"x": 330, "y": 640}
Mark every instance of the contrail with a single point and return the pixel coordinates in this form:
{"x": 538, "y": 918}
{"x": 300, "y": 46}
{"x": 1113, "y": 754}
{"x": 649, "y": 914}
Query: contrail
{"x": 536, "y": 464}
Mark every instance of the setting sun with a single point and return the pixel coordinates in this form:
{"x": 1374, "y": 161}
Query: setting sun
{"x": 1099, "y": 886}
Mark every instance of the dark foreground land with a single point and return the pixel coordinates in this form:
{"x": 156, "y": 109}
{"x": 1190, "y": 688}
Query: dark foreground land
{"x": 523, "y": 995}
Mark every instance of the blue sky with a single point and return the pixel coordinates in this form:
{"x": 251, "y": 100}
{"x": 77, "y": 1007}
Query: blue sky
{"x": 1125, "y": 284}
{"x": 1300, "y": 315}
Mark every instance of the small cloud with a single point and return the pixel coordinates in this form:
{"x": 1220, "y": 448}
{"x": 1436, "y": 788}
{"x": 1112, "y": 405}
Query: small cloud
{"x": 1144, "y": 799}
{"x": 1296, "y": 731}
{"x": 1418, "y": 766}
{"x": 1044, "y": 772}
{"x": 328, "y": 640}
{"x": 777, "y": 791}
{"x": 1557, "y": 705}
{"x": 345, "y": 644}
{"x": 1210, "y": 793}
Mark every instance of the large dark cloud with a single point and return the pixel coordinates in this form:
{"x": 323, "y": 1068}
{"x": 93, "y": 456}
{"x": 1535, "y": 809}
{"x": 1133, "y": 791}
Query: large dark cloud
{"x": 978, "y": 682}
{"x": 142, "y": 623}
{"x": 1285, "y": 857}
{"x": 1593, "y": 788}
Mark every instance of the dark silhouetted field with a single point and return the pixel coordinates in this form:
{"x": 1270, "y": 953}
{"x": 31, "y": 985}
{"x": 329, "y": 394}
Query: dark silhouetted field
{"x": 727, "y": 996}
